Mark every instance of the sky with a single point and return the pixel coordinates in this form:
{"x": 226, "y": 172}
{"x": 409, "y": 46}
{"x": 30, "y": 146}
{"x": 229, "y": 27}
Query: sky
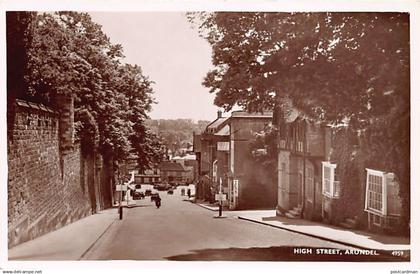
{"x": 171, "y": 53}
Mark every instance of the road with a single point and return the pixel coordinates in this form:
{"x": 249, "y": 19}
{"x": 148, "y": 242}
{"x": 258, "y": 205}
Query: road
{"x": 180, "y": 230}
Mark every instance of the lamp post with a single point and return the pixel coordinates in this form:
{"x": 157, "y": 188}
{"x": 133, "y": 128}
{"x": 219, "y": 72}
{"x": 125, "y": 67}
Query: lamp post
{"x": 220, "y": 198}
{"x": 119, "y": 188}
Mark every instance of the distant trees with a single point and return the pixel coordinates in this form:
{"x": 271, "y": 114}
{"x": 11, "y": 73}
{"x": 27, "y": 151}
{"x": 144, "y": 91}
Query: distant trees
{"x": 67, "y": 53}
{"x": 334, "y": 67}
{"x": 177, "y": 133}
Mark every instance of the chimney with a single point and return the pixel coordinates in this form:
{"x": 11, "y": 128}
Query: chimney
{"x": 219, "y": 114}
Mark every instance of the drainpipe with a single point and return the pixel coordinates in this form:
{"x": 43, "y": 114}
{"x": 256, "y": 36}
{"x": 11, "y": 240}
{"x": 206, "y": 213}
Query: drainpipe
{"x": 304, "y": 169}
{"x": 314, "y": 181}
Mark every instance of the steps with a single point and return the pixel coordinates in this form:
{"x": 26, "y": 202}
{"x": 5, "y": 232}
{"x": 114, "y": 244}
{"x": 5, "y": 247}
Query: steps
{"x": 294, "y": 213}
{"x": 349, "y": 223}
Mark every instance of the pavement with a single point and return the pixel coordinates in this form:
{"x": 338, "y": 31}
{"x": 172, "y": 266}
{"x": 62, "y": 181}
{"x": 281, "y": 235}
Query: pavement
{"x": 354, "y": 238}
{"x": 70, "y": 242}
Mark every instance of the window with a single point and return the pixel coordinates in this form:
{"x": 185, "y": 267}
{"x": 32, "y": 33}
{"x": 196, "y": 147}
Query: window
{"x": 300, "y": 146}
{"x": 330, "y": 187}
{"x": 375, "y": 192}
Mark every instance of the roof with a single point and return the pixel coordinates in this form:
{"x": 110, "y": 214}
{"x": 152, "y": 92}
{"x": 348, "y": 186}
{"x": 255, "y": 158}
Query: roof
{"x": 245, "y": 114}
{"x": 224, "y": 131}
{"x": 216, "y": 123}
{"x": 171, "y": 166}
{"x": 189, "y": 157}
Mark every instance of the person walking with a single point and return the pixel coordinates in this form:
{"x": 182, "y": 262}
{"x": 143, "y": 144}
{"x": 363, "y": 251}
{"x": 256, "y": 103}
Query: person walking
{"x": 158, "y": 201}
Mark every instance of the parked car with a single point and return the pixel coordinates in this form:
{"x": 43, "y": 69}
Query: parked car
{"x": 148, "y": 192}
{"x": 171, "y": 191}
{"x": 137, "y": 195}
{"x": 163, "y": 186}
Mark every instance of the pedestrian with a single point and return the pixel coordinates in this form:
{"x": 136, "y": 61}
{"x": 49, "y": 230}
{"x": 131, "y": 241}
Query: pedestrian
{"x": 158, "y": 201}
{"x": 189, "y": 193}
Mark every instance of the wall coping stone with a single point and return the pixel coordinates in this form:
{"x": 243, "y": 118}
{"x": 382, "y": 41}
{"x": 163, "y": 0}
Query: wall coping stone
{"x": 36, "y": 106}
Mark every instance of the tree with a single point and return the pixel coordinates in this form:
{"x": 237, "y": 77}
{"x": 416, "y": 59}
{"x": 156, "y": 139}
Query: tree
{"x": 334, "y": 67}
{"x": 18, "y": 39}
{"x": 138, "y": 91}
{"x": 66, "y": 53}
{"x": 71, "y": 55}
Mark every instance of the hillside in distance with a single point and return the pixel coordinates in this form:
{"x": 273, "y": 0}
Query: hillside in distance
{"x": 177, "y": 134}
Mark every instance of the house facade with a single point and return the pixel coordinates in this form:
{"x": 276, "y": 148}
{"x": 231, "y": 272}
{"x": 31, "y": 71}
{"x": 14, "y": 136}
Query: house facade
{"x": 227, "y": 165}
{"x": 173, "y": 173}
{"x": 148, "y": 177}
{"x": 310, "y": 161}
{"x": 301, "y": 149}
{"x": 190, "y": 165}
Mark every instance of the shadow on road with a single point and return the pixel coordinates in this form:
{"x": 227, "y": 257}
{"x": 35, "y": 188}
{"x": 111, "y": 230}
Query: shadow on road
{"x": 282, "y": 253}
{"x": 133, "y": 206}
{"x": 385, "y": 239}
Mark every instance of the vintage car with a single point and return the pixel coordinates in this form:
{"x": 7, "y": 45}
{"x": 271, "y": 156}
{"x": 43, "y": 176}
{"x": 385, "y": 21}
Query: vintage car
{"x": 148, "y": 192}
{"x": 137, "y": 195}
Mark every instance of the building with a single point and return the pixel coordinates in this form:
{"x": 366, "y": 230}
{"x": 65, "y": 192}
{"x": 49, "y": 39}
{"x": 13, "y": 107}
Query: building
{"x": 173, "y": 173}
{"x": 309, "y": 186}
{"x": 227, "y": 165}
{"x": 204, "y": 146}
{"x": 148, "y": 177}
{"x": 302, "y": 149}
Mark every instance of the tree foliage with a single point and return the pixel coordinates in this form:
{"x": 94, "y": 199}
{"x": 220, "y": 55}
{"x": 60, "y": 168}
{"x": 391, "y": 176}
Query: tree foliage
{"x": 335, "y": 67}
{"x": 176, "y": 133}
{"x": 69, "y": 54}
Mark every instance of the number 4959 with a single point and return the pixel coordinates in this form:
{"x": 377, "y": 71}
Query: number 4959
{"x": 397, "y": 253}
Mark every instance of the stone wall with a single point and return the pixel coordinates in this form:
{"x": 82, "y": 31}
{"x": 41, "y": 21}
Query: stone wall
{"x": 45, "y": 187}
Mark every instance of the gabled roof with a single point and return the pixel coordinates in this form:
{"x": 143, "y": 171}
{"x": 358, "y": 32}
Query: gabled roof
{"x": 224, "y": 131}
{"x": 215, "y": 124}
{"x": 240, "y": 114}
{"x": 171, "y": 166}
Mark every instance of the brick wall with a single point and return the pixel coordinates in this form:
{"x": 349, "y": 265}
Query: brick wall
{"x": 45, "y": 187}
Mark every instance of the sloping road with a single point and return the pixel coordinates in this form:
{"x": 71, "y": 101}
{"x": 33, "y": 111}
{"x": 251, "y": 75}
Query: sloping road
{"x": 180, "y": 230}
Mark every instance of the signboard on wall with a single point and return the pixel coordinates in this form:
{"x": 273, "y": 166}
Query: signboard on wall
{"x": 222, "y": 146}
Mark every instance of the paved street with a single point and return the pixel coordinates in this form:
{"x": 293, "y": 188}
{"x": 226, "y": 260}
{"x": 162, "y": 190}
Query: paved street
{"x": 180, "y": 230}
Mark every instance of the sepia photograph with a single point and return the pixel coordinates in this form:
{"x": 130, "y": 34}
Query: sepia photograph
{"x": 202, "y": 135}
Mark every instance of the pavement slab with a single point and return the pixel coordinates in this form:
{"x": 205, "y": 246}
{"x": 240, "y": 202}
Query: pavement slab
{"x": 67, "y": 243}
{"x": 355, "y": 238}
